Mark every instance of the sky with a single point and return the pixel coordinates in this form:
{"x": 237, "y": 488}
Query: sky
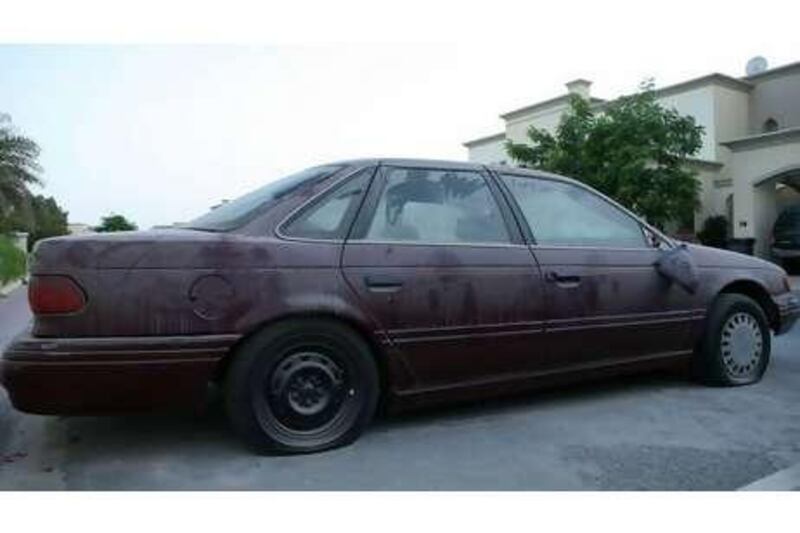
{"x": 161, "y": 133}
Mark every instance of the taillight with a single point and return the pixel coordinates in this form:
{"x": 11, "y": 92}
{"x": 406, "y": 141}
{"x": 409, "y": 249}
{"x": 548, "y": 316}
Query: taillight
{"x": 50, "y": 295}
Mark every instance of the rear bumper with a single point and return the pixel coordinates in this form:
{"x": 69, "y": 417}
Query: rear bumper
{"x": 116, "y": 374}
{"x": 788, "y": 311}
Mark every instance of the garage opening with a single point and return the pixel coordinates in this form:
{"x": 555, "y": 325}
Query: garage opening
{"x": 778, "y": 198}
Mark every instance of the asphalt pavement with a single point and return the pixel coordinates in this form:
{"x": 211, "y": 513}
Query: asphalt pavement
{"x": 653, "y": 432}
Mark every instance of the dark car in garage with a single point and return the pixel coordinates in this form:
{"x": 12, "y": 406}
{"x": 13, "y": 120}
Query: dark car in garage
{"x": 396, "y": 282}
{"x": 786, "y": 237}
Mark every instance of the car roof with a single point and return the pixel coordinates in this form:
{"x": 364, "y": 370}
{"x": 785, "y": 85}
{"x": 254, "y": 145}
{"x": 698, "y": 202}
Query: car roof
{"x": 455, "y": 165}
{"x": 531, "y": 173}
{"x": 414, "y": 162}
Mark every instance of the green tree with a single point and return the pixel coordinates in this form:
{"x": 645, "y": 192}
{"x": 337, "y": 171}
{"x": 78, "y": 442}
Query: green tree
{"x": 49, "y": 220}
{"x": 40, "y": 217}
{"x": 115, "y": 223}
{"x": 633, "y": 150}
{"x": 19, "y": 168}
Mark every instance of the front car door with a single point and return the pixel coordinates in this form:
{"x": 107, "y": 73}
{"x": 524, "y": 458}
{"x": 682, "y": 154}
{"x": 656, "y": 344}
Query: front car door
{"x": 606, "y": 303}
{"x": 438, "y": 260}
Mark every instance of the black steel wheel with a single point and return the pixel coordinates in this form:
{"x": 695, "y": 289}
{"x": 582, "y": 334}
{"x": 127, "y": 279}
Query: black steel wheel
{"x": 302, "y": 386}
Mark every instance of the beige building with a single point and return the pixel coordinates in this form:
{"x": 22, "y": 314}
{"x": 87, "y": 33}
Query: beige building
{"x": 749, "y": 163}
{"x": 76, "y": 228}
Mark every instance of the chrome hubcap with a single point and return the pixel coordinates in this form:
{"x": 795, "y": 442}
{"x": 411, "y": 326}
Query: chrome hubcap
{"x": 742, "y": 344}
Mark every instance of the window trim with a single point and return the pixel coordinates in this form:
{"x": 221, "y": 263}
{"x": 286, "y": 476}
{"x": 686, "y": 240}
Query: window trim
{"x": 373, "y": 196}
{"x": 320, "y": 197}
{"x": 531, "y": 238}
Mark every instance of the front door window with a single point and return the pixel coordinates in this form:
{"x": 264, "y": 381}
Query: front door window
{"x": 563, "y": 214}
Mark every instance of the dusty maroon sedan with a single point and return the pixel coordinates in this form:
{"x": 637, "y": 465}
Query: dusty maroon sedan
{"x": 320, "y": 295}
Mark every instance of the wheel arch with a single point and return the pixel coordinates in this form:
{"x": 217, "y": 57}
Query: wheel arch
{"x": 373, "y": 340}
{"x": 759, "y": 294}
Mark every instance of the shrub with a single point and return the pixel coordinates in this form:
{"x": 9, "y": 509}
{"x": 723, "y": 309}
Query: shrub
{"x": 12, "y": 261}
{"x": 714, "y": 232}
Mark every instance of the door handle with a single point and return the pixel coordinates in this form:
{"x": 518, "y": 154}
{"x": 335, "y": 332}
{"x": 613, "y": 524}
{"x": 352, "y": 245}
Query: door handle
{"x": 560, "y": 279}
{"x": 383, "y": 283}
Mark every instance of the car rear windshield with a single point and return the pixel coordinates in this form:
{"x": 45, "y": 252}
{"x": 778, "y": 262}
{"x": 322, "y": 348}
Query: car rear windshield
{"x": 231, "y": 215}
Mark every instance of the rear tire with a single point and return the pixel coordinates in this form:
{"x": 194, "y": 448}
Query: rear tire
{"x": 301, "y": 386}
{"x": 736, "y": 344}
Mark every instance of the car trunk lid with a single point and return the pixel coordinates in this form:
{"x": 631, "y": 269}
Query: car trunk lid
{"x": 172, "y": 248}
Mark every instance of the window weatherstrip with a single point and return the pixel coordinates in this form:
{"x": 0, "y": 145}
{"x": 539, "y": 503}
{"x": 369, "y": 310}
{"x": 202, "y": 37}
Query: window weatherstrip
{"x": 318, "y": 198}
{"x": 528, "y": 232}
{"x": 377, "y": 187}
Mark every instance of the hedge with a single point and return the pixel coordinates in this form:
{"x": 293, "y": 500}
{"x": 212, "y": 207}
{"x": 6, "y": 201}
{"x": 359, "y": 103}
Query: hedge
{"x": 12, "y": 261}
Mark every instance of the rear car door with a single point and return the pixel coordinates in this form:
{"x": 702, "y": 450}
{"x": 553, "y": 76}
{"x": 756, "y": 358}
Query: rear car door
{"x": 606, "y": 303}
{"x": 438, "y": 260}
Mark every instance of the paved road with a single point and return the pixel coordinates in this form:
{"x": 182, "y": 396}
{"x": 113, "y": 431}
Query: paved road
{"x": 648, "y": 432}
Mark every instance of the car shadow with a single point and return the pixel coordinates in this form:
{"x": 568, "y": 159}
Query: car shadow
{"x": 540, "y": 399}
{"x": 207, "y": 431}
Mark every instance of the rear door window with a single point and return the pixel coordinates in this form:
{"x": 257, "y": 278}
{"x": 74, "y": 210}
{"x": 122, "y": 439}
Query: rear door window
{"x": 432, "y": 206}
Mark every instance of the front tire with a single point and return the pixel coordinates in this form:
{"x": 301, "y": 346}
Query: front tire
{"x": 302, "y": 386}
{"x": 736, "y": 344}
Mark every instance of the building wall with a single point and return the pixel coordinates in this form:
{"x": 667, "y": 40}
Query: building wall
{"x": 699, "y": 103}
{"x": 76, "y": 228}
{"x": 730, "y": 121}
{"x": 548, "y": 119}
{"x": 731, "y": 118}
{"x": 778, "y": 97}
{"x": 489, "y": 153}
{"x": 494, "y": 152}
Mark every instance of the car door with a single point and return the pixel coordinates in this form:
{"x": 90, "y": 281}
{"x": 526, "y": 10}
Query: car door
{"x": 438, "y": 260}
{"x": 606, "y": 303}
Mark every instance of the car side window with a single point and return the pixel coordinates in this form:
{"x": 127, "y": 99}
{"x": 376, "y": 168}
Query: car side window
{"x": 436, "y": 206}
{"x": 563, "y": 214}
{"x": 329, "y": 218}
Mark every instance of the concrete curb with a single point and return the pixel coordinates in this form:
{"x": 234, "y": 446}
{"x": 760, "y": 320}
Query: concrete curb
{"x": 5, "y": 290}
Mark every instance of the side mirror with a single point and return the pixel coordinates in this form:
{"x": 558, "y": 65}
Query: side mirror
{"x": 678, "y": 265}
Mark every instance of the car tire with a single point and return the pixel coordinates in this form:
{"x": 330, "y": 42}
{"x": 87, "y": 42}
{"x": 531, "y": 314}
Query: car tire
{"x": 735, "y": 347}
{"x": 301, "y": 386}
